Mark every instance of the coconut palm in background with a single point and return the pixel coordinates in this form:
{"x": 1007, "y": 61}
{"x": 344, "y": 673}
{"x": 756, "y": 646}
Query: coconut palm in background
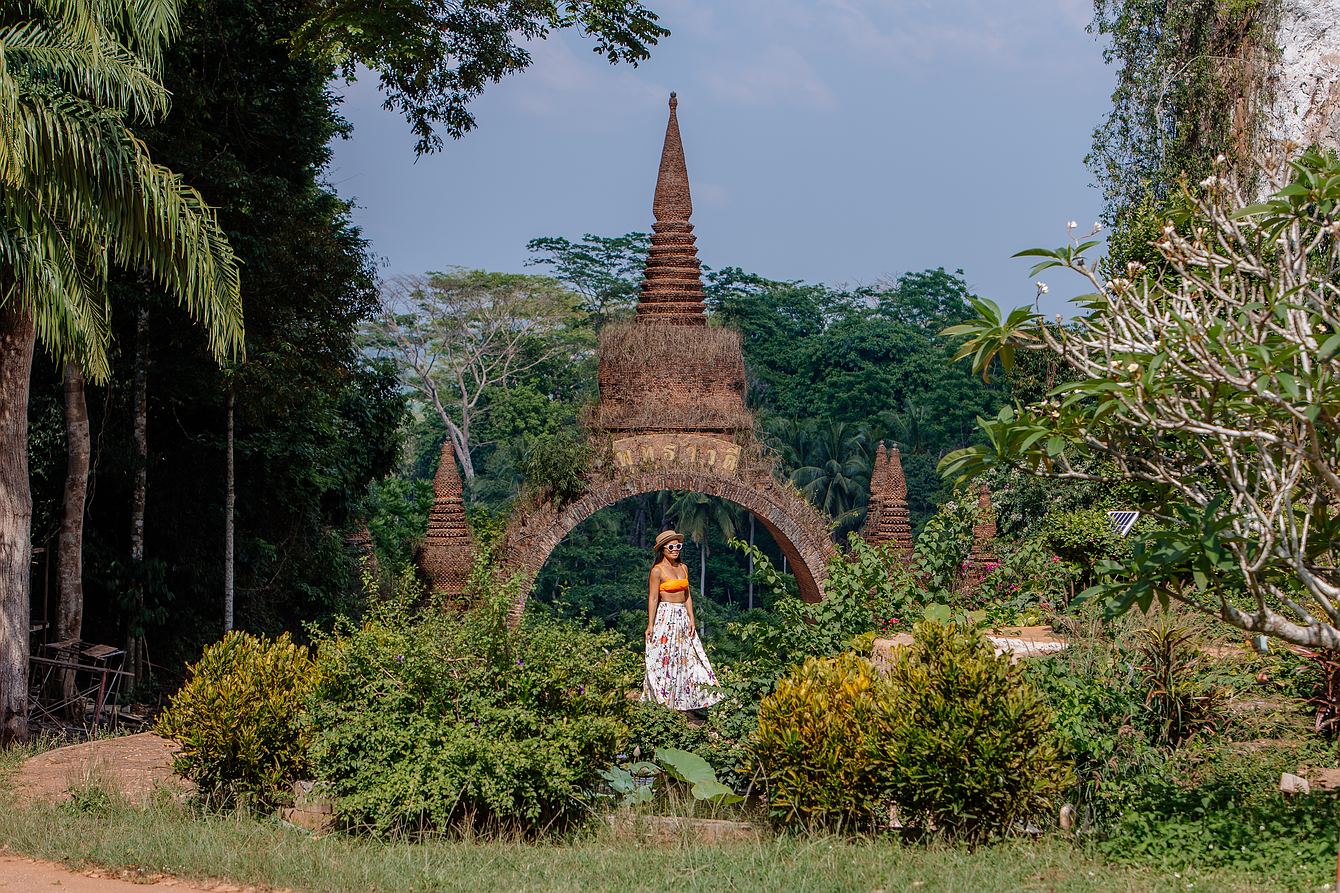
{"x": 835, "y": 476}
{"x": 79, "y": 194}
{"x": 694, "y": 515}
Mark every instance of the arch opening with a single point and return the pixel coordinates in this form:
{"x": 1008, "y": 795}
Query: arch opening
{"x": 792, "y": 522}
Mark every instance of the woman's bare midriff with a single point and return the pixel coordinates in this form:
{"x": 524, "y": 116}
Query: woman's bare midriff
{"x": 673, "y": 599}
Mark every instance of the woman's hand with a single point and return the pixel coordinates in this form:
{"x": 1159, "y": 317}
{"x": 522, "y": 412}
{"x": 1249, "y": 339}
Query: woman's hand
{"x": 648, "y": 635}
{"x": 693, "y": 629}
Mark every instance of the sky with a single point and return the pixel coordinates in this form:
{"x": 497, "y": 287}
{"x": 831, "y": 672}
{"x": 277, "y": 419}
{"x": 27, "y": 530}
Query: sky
{"x": 835, "y": 141}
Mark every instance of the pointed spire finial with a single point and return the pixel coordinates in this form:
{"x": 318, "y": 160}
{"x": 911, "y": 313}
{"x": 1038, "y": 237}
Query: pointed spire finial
{"x": 672, "y": 291}
{"x": 897, "y": 480}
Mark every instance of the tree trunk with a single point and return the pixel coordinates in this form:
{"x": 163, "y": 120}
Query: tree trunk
{"x": 751, "y": 561}
{"x": 229, "y": 506}
{"x": 17, "y": 337}
{"x": 139, "y": 490}
{"x": 460, "y": 439}
{"x": 70, "y": 560}
{"x": 702, "y": 569}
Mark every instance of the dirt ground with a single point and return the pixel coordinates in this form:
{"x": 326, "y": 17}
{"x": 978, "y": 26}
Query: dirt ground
{"x": 133, "y": 765}
{"x": 20, "y": 875}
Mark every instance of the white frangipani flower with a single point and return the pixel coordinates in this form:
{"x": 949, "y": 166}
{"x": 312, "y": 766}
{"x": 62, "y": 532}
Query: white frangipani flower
{"x": 1042, "y": 287}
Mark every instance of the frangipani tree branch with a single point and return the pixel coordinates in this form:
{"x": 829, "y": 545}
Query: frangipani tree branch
{"x": 1216, "y": 383}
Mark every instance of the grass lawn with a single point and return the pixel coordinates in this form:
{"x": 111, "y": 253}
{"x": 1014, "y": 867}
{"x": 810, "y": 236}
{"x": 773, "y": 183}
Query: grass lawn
{"x": 181, "y": 841}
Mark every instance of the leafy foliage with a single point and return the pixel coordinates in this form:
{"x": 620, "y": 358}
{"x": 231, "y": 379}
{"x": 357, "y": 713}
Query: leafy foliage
{"x": 79, "y": 190}
{"x": 1233, "y": 343}
{"x": 1234, "y": 816}
{"x": 970, "y": 750}
{"x": 432, "y": 58}
{"x": 1181, "y": 66}
{"x": 813, "y": 745}
{"x": 864, "y": 588}
{"x": 239, "y": 717}
{"x": 433, "y": 722}
{"x": 1179, "y": 702}
{"x": 555, "y": 466}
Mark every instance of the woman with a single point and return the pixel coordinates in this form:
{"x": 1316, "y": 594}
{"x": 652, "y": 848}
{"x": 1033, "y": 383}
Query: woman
{"x": 678, "y": 674}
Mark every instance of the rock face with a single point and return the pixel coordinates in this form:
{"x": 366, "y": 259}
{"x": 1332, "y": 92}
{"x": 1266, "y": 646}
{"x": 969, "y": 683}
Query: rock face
{"x": 1305, "y": 80}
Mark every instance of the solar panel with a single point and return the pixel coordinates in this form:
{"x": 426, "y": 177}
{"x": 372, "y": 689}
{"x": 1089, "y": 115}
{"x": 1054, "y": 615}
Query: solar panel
{"x": 1123, "y": 521}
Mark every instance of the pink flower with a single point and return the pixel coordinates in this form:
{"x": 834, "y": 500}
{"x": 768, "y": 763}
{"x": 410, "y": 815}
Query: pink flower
{"x": 1055, "y": 558}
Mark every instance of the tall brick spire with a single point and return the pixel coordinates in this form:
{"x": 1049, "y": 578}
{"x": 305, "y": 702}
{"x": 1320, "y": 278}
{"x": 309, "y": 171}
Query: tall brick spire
{"x": 448, "y": 548}
{"x": 887, "y": 519}
{"x": 672, "y": 291}
{"x": 982, "y": 559}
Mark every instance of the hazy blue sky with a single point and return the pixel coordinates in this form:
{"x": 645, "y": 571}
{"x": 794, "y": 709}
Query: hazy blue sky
{"x": 836, "y": 141}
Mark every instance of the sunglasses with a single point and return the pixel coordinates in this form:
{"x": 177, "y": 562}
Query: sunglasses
{"x": 675, "y": 546}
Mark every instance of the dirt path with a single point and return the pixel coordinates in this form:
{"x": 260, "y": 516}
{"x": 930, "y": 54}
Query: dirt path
{"x": 133, "y": 765}
{"x": 20, "y": 875}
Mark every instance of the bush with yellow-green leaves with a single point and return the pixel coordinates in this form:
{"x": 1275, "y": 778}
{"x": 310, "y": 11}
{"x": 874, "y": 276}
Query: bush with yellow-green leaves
{"x": 813, "y": 744}
{"x": 239, "y": 717}
{"x": 953, "y": 736}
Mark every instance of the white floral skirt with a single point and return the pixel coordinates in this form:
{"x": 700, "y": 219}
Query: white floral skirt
{"x": 678, "y": 674}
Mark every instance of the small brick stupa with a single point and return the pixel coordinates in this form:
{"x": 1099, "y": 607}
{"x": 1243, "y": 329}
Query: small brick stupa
{"x": 359, "y": 543}
{"x": 667, "y": 370}
{"x": 448, "y": 549}
{"x": 886, "y": 519}
{"x": 982, "y": 558}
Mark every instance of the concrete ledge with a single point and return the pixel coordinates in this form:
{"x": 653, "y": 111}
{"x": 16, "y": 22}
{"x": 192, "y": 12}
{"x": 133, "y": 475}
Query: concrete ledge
{"x": 664, "y": 830}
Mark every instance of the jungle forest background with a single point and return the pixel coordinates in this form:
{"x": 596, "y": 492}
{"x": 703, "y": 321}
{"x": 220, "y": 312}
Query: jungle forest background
{"x": 331, "y": 428}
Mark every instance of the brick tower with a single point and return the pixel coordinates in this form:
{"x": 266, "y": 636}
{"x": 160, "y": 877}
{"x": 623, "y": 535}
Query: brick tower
{"x": 448, "y": 549}
{"x": 983, "y": 554}
{"x": 886, "y": 519}
{"x": 668, "y": 350}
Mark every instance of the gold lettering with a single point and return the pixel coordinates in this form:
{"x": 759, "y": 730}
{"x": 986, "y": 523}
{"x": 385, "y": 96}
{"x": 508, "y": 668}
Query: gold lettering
{"x": 624, "y": 458}
{"x": 670, "y": 452}
{"x": 691, "y": 453}
{"x": 711, "y": 458}
{"x": 730, "y": 458}
{"x": 648, "y": 453}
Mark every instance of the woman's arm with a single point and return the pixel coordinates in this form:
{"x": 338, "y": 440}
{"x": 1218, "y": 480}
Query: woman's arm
{"x": 653, "y": 596}
{"x": 688, "y": 604}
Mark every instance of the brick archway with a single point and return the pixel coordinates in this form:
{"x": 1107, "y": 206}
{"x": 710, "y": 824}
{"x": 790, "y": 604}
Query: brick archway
{"x": 672, "y": 415}
{"x": 676, "y": 462}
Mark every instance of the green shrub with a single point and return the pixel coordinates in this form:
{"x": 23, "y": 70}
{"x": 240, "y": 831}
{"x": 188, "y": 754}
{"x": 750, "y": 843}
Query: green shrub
{"x": 238, "y": 717}
{"x": 652, "y": 726}
{"x": 1178, "y": 701}
{"x": 456, "y": 723}
{"x": 970, "y": 749}
{"x": 554, "y": 466}
{"x": 1215, "y": 803}
{"x": 1095, "y": 693}
{"x": 865, "y": 589}
{"x": 812, "y": 746}
{"x": 1083, "y": 538}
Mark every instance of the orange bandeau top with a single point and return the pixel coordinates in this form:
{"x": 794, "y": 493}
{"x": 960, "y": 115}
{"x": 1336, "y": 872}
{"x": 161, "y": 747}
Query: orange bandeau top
{"x": 674, "y": 585}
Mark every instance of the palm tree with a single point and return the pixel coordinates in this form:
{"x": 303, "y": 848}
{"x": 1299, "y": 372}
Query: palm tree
{"x": 695, "y": 515}
{"x": 908, "y": 426}
{"x": 836, "y": 473}
{"x": 79, "y": 194}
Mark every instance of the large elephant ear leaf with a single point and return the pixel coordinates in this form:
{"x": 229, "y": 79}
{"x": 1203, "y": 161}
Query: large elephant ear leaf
{"x": 693, "y": 770}
{"x": 684, "y": 766}
{"x": 715, "y": 792}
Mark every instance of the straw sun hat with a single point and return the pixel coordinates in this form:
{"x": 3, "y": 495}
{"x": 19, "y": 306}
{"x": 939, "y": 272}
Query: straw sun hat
{"x": 667, "y": 536}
